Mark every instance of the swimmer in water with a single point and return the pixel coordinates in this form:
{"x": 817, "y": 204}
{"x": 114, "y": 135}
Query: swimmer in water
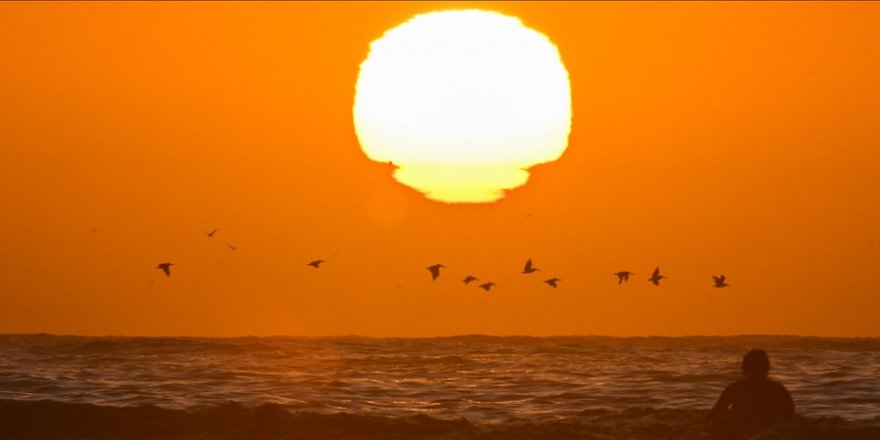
{"x": 755, "y": 403}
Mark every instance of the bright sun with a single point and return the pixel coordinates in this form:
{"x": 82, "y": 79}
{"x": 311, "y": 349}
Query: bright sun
{"x": 463, "y": 102}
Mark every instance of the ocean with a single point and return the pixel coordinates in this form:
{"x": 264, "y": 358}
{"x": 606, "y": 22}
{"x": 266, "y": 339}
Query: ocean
{"x": 443, "y": 388}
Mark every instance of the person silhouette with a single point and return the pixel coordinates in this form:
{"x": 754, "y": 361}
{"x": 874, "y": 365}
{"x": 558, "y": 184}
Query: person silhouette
{"x": 754, "y": 403}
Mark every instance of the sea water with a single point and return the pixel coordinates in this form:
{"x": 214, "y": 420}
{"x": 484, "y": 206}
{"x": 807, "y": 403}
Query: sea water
{"x": 457, "y": 387}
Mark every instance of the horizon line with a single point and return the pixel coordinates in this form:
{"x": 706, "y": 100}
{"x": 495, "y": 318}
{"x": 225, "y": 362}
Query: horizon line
{"x": 452, "y": 336}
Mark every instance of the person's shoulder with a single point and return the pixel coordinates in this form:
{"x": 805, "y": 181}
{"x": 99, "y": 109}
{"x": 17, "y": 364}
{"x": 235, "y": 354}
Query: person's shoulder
{"x": 777, "y": 385}
{"x": 735, "y": 386}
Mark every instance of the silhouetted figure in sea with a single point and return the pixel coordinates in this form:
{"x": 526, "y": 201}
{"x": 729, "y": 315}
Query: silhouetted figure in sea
{"x": 753, "y": 404}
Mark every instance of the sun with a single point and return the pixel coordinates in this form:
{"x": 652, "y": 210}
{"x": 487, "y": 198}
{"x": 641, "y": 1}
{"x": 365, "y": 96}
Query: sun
{"x": 463, "y": 102}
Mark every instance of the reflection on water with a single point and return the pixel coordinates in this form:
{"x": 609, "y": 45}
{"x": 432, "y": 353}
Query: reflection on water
{"x": 484, "y": 379}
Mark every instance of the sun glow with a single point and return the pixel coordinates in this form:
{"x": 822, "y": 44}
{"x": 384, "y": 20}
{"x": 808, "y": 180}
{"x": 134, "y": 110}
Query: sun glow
{"x": 463, "y": 102}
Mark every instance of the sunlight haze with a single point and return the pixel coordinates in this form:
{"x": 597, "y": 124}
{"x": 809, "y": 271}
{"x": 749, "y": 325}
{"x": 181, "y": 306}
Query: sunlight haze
{"x": 731, "y": 138}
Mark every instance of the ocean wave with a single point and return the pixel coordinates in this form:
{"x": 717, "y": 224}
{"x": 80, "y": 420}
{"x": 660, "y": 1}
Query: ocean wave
{"x": 504, "y": 344}
{"x": 485, "y": 379}
{"x": 56, "y": 420}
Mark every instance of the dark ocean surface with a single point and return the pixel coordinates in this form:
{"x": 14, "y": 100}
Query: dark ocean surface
{"x": 455, "y": 387}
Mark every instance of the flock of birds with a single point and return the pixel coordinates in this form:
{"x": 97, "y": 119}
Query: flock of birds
{"x": 527, "y": 269}
{"x": 622, "y": 276}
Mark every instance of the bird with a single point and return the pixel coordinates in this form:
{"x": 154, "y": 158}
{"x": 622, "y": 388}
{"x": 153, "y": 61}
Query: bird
{"x": 487, "y": 286}
{"x": 528, "y": 267}
{"x": 231, "y": 247}
{"x": 166, "y": 267}
{"x": 316, "y": 264}
{"x": 211, "y": 234}
{"x": 719, "y": 281}
{"x": 552, "y": 282}
{"x": 623, "y": 276}
{"x": 656, "y": 277}
{"x": 469, "y": 278}
{"x": 435, "y": 271}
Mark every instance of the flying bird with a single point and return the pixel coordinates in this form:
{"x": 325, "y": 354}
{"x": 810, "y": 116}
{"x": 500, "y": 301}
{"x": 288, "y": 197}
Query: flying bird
{"x": 719, "y": 281}
{"x": 623, "y": 276}
{"x": 469, "y": 278}
{"x": 211, "y": 234}
{"x": 487, "y": 286}
{"x": 552, "y": 282}
{"x": 435, "y": 271}
{"x": 656, "y": 277}
{"x": 166, "y": 267}
{"x": 231, "y": 247}
{"x": 316, "y": 264}
{"x": 528, "y": 267}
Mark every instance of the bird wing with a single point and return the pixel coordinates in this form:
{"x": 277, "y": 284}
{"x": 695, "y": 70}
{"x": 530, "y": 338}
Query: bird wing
{"x": 722, "y": 278}
{"x": 656, "y": 272}
{"x": 528, "y": 266}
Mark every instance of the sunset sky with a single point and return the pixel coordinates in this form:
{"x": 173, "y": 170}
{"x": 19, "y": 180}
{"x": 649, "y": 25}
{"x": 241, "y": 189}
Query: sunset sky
{"x": 739, "y": 138}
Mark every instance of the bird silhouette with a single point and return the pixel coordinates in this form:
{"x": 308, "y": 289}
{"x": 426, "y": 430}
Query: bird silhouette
{"x": 469, "y": 278}
{"x": 166, "y": 267}
{"x": 211, "y": 234}
{"x": 656, "y": 277}
{"x": 719, "y": 281}
{"x": 552, "y": 282}
{"x": 528, "y": 267}
{"x": 435, "y": 271}
{"x": 623, "y": 276}
{"x": 487, "y": 286}
{"x": 231, "y": 247}
{"x": 316, "y": 264}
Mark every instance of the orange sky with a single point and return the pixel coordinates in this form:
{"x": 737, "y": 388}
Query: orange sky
{"x": 739, "y": 138}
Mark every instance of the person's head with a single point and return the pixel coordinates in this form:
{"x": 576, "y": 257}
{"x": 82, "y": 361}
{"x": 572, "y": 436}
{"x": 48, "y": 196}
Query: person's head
{"x": 756, "y": 364}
